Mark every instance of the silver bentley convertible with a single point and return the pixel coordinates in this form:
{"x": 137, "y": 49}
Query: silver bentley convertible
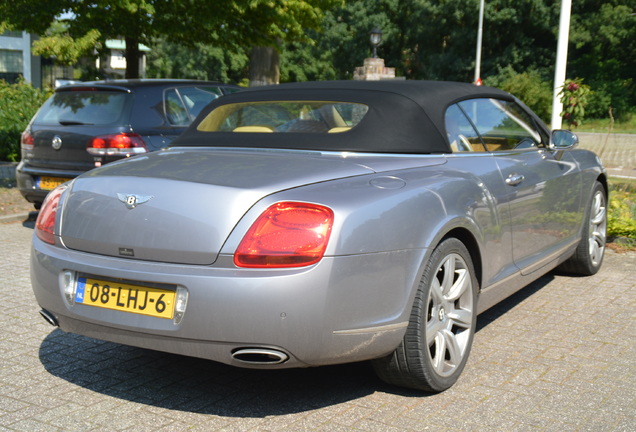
{"x": 320, "y": 223}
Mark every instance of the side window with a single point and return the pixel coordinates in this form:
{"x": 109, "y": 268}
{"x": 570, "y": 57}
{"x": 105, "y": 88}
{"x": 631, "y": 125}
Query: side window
{"x": 175, "y": 111}
{"x": 196, "y": 98}
{"x": 502, "y": 125}
{"x": 462, "y": 137}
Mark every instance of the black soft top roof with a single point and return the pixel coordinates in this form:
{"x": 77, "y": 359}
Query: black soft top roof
{"x": 403, "y": 116}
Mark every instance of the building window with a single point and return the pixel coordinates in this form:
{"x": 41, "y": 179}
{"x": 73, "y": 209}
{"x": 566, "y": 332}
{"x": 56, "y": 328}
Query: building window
{"x": 15, "y": 34}
{"x": 10, "y": 65}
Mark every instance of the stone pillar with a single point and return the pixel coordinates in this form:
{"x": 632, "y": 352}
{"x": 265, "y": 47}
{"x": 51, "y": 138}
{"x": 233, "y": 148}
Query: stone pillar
{"x": 373, "y": 70}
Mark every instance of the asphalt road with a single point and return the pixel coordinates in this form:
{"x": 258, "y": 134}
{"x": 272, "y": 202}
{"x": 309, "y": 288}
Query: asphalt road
{"x": 559, "y": 355}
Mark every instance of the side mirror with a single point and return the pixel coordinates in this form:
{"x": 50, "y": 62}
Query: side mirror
{"x": 563, "y": 139}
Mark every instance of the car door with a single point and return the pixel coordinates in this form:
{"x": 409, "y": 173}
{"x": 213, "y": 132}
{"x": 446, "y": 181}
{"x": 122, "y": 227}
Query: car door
{"x": 543, "y": 188}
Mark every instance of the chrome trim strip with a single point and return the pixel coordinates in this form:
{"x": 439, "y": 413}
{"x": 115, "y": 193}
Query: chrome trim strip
{"x": 379, "y": 329}
{"x": 343, "y": 154}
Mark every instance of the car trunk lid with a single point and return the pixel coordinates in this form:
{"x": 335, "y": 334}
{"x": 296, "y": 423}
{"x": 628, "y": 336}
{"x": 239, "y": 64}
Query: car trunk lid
{"x": 180, "y": 206}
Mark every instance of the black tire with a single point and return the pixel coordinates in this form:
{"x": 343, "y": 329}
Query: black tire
{"x": 588, "y": 256}
{"x": 444, "y": 313}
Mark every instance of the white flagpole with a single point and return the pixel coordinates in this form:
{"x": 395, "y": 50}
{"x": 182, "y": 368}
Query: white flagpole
{"x": 561, "y": 62}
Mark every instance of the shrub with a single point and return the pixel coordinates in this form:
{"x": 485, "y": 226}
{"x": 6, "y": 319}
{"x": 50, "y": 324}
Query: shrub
{"x": 574, "y": 95}
{"x": 530, "y": 87}
{"x": 621, "y": 221}
{"x": 18, "y": 103}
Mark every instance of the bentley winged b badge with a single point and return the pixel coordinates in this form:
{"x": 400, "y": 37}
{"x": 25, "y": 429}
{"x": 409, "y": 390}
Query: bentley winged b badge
{"x": 133, "y": 200}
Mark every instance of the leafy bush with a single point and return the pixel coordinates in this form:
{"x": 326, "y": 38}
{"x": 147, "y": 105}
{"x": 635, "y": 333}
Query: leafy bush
{"x": 18, "y": 103}
{"x": 611, "y": 94}
{"x": 621, "y": 220}
{"x": 530, "y": 87}
{"x": 574, "y": 95}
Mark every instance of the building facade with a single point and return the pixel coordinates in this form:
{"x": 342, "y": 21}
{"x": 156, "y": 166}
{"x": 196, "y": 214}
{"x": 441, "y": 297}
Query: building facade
{"x": 16, "y": 59}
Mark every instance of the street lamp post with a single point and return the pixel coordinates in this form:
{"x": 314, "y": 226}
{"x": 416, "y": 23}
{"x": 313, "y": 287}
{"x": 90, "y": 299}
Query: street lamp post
{"x": 375, "y": 36}
{"x": 479, "y": 38}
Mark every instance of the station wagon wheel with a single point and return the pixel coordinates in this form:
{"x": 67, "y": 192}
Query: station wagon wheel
{"x": 588, "y": 257}
{"x": 437, "y": 342}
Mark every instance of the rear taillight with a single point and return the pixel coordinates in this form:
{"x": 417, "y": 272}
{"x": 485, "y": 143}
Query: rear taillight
{"x": 45, "y": 223}
{"x": 26, "y": 141}
{"x": 287, "y": 234}
{"x": 122, "y": 144}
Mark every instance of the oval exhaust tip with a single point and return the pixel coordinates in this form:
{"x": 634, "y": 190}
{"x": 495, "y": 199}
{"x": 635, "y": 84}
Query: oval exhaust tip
{"x": 49, "y": 317}
{"x": 260, "y": 356}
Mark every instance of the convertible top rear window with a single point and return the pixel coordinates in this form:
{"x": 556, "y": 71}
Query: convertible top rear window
{"x": 284, "y": 116}
{"x": 393, "y": 116}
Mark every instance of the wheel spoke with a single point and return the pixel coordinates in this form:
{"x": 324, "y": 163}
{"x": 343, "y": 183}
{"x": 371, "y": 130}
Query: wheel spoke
{"x": 436, "y": 292}
{"x": 599, "y": 216}
{"x": 433, "y": 329}
{"x": 598, "y": 237}
{"x": 449, "y": 274}
{"x": 461, "y": 318}
{"x": 596, "y": 247}
{"x": 460, "y": 287}
{"x": 440, "y": 350}
{"x": 453, "y": 348}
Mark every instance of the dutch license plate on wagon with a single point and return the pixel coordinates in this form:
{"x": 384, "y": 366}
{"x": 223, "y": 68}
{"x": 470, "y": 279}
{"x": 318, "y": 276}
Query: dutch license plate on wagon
{"x": 50, "y": 183}
{"x": 124, "y": 297}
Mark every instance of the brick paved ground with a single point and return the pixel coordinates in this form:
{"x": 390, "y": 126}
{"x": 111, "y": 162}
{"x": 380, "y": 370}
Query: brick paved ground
{"x": 558, "y": 356}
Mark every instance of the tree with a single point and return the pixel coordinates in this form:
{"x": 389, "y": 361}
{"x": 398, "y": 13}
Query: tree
{"x": 534, "y": 89}
{"x": 425, "y": 39}
{"x": 604, "y": 53}
{"x": 169, "y": 59}
{"x": 18, "y": 104}
{"x": 235, "y": 23}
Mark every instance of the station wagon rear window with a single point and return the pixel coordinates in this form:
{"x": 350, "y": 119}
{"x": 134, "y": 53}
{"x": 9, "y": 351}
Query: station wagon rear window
{"x": 84, "y": 108}
{"x": 284, "y": 116}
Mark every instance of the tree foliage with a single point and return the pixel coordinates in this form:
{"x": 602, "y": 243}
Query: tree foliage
{"x": 529, "y": 86}
{"x": 604, "y": 52}
{"x": 202, "y": 61}
{"x": 327, "y": 39}
{"x": 436, "y": 39}
{"x": 232, "y": 24}
{"x": 18, "y": 103}
{"x": 425, "y": 39}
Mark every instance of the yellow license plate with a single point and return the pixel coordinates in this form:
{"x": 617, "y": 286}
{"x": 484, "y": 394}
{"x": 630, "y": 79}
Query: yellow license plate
{"x": 125, "y": 297}
{"x": 50, "y": 183}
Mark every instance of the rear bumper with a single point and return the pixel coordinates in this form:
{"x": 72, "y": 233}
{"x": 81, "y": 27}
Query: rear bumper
{"x": 341, "y": 310}
{"x": 26, "y": 179}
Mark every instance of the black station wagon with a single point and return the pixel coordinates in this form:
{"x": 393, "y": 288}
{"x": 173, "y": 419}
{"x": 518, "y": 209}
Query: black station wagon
{"x": 86, "y": 125}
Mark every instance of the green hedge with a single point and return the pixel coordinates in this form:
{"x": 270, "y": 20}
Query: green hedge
{"x": 621, "y": 221}
{"x": 18, "y": 103}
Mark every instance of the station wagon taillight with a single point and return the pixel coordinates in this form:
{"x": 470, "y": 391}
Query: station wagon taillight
{"x": 287, "y": 234}
{"x": 122, "y": 144}
{"x": 45, "y": 223}
{"x": 26, "y": 141}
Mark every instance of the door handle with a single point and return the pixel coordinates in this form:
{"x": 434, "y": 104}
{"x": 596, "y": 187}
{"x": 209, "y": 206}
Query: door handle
{"x": 514, "y": 179}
